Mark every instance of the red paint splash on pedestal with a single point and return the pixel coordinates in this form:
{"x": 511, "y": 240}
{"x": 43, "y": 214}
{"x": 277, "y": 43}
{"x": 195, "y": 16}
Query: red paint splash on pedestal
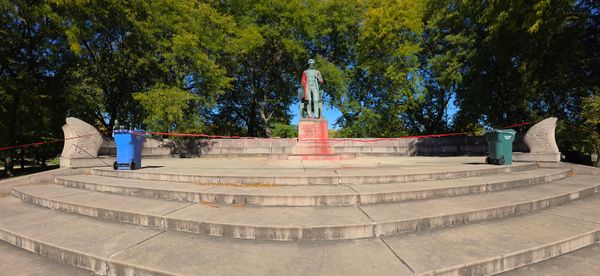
{"x": 313, "y": 142}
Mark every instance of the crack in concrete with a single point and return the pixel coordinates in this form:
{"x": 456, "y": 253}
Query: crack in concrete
{"x": 357, "y": 194}
{"x": 367, "y": 215}
{"x": 136, "y": 244}
{"x": 398, "y": 256}
{"x": 373, "y": 223}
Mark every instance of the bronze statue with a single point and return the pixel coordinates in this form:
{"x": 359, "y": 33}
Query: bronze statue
{"x": 311, "y": 98}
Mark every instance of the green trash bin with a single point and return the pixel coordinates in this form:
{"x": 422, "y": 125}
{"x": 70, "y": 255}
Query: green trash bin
{"x": 500, "y": 146}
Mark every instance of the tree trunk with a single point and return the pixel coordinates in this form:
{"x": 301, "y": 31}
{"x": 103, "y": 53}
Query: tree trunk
{"x": 22, "y": 157}
{"x": 43, "y": 157}
{"x": 252, "y": 120}
{"x": 598, "y": 157}
{"x": 265, "y": 119}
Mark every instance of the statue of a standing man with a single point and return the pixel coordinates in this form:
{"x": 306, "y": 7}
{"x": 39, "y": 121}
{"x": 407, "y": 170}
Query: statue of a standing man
{"x": 311, "y": 80}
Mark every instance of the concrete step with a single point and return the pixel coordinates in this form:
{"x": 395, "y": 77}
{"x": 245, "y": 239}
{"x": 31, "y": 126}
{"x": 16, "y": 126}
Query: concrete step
{"x": 310, "y": 223}
{"x": 339, "y": 195}
{"x": 16, "y": 261}
{"x": 501, "y": 245}
{"x": 69, "y": 239}
{"x": 267, "y": 155}
{"x": 582, "y": 262}
{"x": 383, "y": 193}
{"x": 113, "y": 249}
{"x": 478, "y": 249}
{"x": 333, "y": 176}
{"x": 312, "y": 156}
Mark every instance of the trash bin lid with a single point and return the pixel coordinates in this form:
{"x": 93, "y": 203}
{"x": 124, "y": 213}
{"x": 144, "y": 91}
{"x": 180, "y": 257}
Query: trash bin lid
{"x": 128, "y": 131}
{"x": 507, "y": 131}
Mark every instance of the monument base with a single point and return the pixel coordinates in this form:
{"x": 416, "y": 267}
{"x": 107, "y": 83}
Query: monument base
{"x": 313, "y": 129}
{"x": 100, "y": 161}
{"x": 313, "y": 142}
{"x": 536, "y": 157}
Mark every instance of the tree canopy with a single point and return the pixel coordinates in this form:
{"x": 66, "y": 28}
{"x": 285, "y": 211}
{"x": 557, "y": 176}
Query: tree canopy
{"x": 391, "y": 67}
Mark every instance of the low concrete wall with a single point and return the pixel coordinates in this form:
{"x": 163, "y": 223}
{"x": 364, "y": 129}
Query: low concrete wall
{"x": 461, "y": 145}
{"x": 442, "y": 146}
{"x": 151, "y": 148}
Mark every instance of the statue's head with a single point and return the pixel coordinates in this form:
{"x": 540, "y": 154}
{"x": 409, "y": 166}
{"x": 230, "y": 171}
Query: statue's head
{"x": 311, "y": 63}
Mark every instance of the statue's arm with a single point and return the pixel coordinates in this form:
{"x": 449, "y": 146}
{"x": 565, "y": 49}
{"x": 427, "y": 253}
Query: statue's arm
{"x": 303, "y": 82}
{"x": 319, "y": 77}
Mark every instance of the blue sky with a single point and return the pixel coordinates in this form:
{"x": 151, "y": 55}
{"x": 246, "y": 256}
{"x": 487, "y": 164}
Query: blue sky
{"x": 330, "y": 113}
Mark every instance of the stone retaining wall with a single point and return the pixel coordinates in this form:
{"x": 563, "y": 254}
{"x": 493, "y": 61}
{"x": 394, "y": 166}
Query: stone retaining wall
{"x": 442, "y": 146}
{"x": 461, "y": 145}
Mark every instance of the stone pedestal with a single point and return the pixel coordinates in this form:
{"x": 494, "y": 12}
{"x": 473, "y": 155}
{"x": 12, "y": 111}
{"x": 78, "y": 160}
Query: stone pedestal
{"x": 313, "y": 129}
{"x": 313, "y": 143}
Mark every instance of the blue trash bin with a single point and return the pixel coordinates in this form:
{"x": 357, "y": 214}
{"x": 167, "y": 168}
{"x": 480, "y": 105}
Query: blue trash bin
{"x": 129, "y": 149}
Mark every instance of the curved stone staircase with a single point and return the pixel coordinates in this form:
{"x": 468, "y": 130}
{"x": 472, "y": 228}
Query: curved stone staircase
{"x": 455, "y": 219}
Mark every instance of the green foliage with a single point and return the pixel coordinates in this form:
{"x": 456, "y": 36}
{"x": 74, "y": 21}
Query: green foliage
{"x": 32, "y": 62}
{"x": 591, "y": 111}
{"x": 374, "y": 64}
{"x": 392, "y": 67}
{"x": 168, "y": 109}
{"x": 284, "y": 130}
{"x": 513, "y": 61}
{"x": 510, "y": 61}
{"x": 123, "y": 48}
{"x": 267, "y": 71}
{"x": 591, "y": 115}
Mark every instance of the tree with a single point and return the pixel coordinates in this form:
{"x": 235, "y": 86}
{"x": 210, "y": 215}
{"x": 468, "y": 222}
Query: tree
{"x": 442, "y": 65}
{"x": 518, "y": 60}
{"x": 384, "y": 77}
{"x": 392, "y": 67}
{"x": 266, "y": 71}
{"x": 285, "y": 131}
{"x": 127, "y": 47}
{"x": 591, "y": 115}
{"x": 113, "y": 60}
{"x": 32, "y": 65}
{"x": 169, "y": 109}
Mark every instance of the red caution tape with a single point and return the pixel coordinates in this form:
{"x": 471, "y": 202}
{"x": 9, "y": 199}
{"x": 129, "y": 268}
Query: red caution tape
{"x": 518, "y": 125}
{"x": 42, "y": 142}
{"x": 244, "y": 137}
{"x": 192, "y": 135}
{"x": 332, "y": 139}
